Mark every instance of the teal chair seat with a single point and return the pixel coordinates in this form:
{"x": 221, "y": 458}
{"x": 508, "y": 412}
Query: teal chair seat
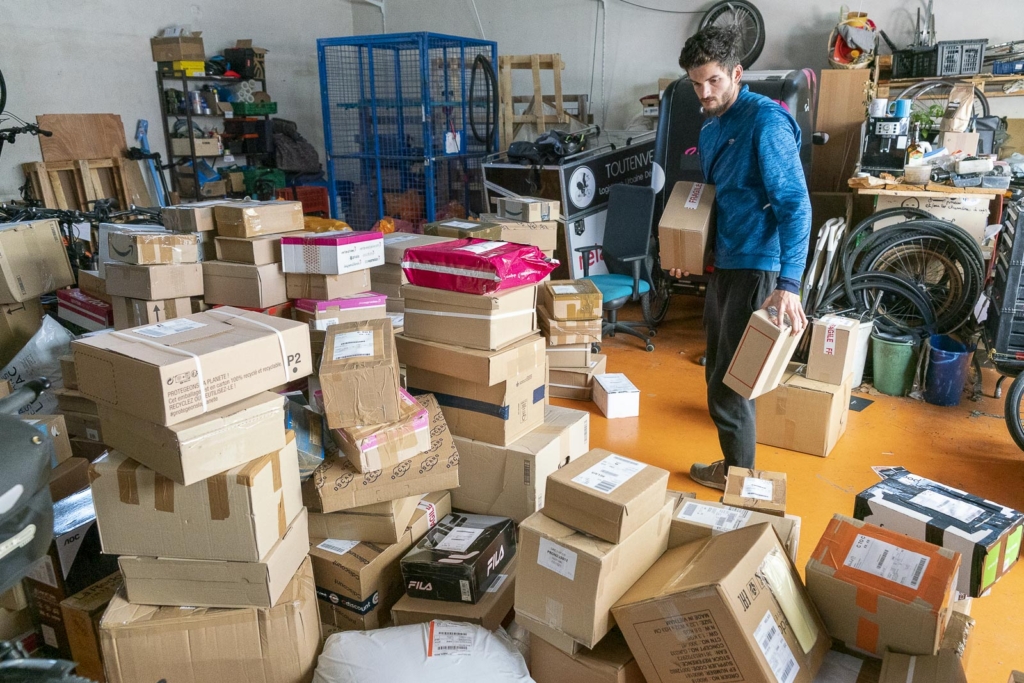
{"x": 618, "y": 286}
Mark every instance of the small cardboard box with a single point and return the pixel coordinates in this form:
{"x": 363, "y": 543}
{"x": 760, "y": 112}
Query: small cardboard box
{"x": 455, "y": 228}
{"x": 359, "y": 375}
{"x": 192, "y": 217}
{"x": 258, "y": 251}
{"x": 757, "y": 490}
{"x": 55, "y": 427}
{"x": 609, "y": 662}
{"x": 252, "y": 219}
{"x": 728, "y": 607}
{"x": 376, "y": 447}
{"x": 528, "y": 209}
{"x": 879, "y": 590}
{"x": 130, "y": 313}
{"x": 211, "y": 188}
{"x": 320, "y": 315}
{"x": 568, "y": 581}
{"x": 204, "y": 446}
{"x": 152, "y": 248}
{"x": 566, "y": 332}
{"x": 209, "y": 645}
{"x": 605, "y": 495}
{"x": 941, "y": 668}
{"x": 686, "y": 228}
{"x": 154, "y": 282}
{"x": 803, "y": 415}
{"x": 576, "y": 383}
{"x": 489, "y": 322}
{"x": 511, "y": 481}
{"x": 103, "y": 241}
{"x": 33, "y": 261}
{"x": 210, "y": 583}
{"x": 75, "y": 306}
{"x": 616, "y": 396}
{"x": 396, "y": 243}
{"x": 81, "y": 613}
{"x": 336, "y": 485}
{"x": 238, "y": 515}
{"x": 18, "y": 322}
{"x": 761, "y": 357}
{"x": 205, "y": 147}
{"x": 473, "y": 365}
{"x": 331, "y": 253}
{"x": 540, "y": 234}
{"x": 833, "y": 348}
{"x": 90, "y": 282}
{"x": 570, "y": 299}
{"x": 243, "y": 284}
{"x": 326, "y": 287}
{"x": 572, "y": 357}
{"x": 83, "y": 426}
{"x": 986, "y": 534}
{"x": 380, "y": 523}
{"x": 178, "y": 48}
{"x": 147, "y": 373}
{"x": 489, "y": 612}
{"x": 694, "y": 520}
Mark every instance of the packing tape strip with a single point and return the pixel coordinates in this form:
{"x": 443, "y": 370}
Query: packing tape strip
{"x": 217, "y": 491}
{"x": 451, "y": 270}
{"x": 280, "y": 340}
{"x": 910, "y": 669}
{"x": 778, "y": 572}
{"x": 163, "y": 493}
{"x": 127, "y": 484}
{"x": 172, "y": 349}
{"x": 471, "y": 316}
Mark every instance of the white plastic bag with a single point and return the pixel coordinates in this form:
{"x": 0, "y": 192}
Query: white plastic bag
{"x": 41, "y": 358}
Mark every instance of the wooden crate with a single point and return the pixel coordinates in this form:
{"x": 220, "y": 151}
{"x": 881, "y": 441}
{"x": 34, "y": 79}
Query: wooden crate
{"x": 74, "y": 185}
{"x": 540, "y": 110}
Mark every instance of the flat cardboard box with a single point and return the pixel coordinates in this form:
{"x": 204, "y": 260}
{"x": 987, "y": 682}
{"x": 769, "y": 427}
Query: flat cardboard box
{"x": 243, "y": 284}
{"x": 332, "y": 253}
{"x": 377, "y": 447}
{"x": 540, "y": 234}
{"x": 576, "y": 383}
{"x": 204, "y": 147}
{"x": 368, "y": 523}
{"x": 730, "y": 606}
{"x": 209, "y": 645}
{"x": 74, "y": 401}
{"x": 616, "y": 396}
{"x": 757, "y": 490}
{"x": 204, "y": 446}
{"x": 103, "y": 241}
{"x": 152, "y": 248}
{"x": 154, "y": 282}
{"x": 153, "y": 372}
{"x": 84, "y": 426}
{"x": 192, "y": 217}
{"x": 81, "y": 613}
{"x": 511, "y": 481}
{"x": 833, "y": 348}
{"x": 252, "y": 219}
{"x": 609, "y": 662}
{"x": 940, "y": 668}
{"x": 18, "y": 322}
{"x": 460, "y": 228}
{"x": 71, "y": 476}
{"x": 90, "y": 282}
{"x": 359, "y": 375}
{"x": 694, "y": 520}
{"x": 130, "y": 313}
{"x": 878, "y": 590}
{"x": 431, "y": 508}
{"x": 396, "y": 243}
{"x": 473, "y": 365}
{"x": 570, "y": 299}
{"x": 565, "y": 332}
{"x": 498, "y": 414}
{"x": 211, "y": 583}
{"x": 985, "y": 533}
{"x": 78, "y": 308}
{"x": 686, "y": 228}
{"x": 238, "y": 515}
{"x": 257, "y": 251}
{"x": 572, "y": 357}
{"x": 528, "y": 209}
{"x": 320, "y": 315}
{"x": 56, "y": 428}
{"x": 557, "y": 639}
{"x": 804, "y": 415}
{"x": 490, "y": 612}
{"x": 761, "y": 357}
{"x": 178, "y": 48}
{"x": 605, "y": 494}
{"x": 568, "y": 581}
{"x": 489, "y": 322}
{"x": 326, "y": 287}
{"x": 33, "y": 261}
{"x": 336, "y": 485}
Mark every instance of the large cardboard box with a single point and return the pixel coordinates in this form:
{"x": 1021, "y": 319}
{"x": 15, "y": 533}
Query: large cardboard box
{"x": 804, "y": 415}
{"x": 90, "y": 282}
{"x": 490, "y": 612}
{"x": 879, "y": 590}
{"x": 941, "y": 668}
{"x": 258, "y": 251}
{"x": 609, "y": 662}
{"x": 237, "y": 515}
{"x": 243, "y": 284}
{"x": 178, "y": 48}
{"x": 458, "y": 228}
{"x": 18, "y": 322}
{"x": 252, "y": 219}
{"x": 396, "y": 243}
{"x": 176, "y": 370}
{"x": 730, "y": 607}
{"x": 77, "y": 307}
{"x": 576, "y": 383}
{"x": 568, "y": 581}
{"x": 81, "y": 613}
{"x": 213, "y": 583}
{"x": 510, "y": 481}
{"x": 986, "y": 534}
{"x": 473, "y": 365}
{"x": 761, "y": 357}
{"x": 379, "y": 523}
{"x": 489, "y": 322}
{"x": 757, "y": 490}
{"x": 378, "y": 446}
{"x": 540, "y": 234}
{"x": 686, "y": 228}
{"x": 359, "y": 375}
{"x": 209, "y": 645}
{"x": 33, "y": 261}
{"x": 152, "y": 248}
{"x": 337, "y": 485}
{"x": 331, "y": 253}
{"x": 130, "y": 313}
{"x": 565, "y": 332}
{"x": 605, "y": 494}
{"x": 694, "y": 520}
{"x": 169, "y": 281}
{"x": 326, "y": 287}
{"x": 570, "y": 299}
{"x": 833, "y": 348}
{"x": 193, "y": 217}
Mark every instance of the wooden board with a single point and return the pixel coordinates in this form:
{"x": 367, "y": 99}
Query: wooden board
{"x": 136, "y": 189}
{"x": 76, "y": 184}
{"x": 81, "y": 136}
{"x": 914, "y": 191}
{"x": 841, "y": 111}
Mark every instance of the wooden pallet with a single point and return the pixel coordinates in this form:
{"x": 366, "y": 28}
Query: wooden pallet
{"x": 74, "y": 185}
{"x": 535, "y": 112}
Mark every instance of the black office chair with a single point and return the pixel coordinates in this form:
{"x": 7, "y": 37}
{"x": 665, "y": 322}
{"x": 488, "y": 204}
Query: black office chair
{"x": 627, "y": 253}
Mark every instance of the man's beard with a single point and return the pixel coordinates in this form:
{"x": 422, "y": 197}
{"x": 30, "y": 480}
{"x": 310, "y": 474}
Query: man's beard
{"x": 721, "y": 109}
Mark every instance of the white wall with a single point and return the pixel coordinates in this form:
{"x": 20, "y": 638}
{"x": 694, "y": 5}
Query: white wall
{"x": 93, "y": 56}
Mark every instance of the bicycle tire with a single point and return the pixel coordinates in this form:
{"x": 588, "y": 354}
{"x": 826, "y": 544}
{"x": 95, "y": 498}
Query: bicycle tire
{"x": 1011, "y": 411}
{"x": 738, "y": 7}
{"x": 888, "y": 283}
{"x": 655, "y": 303}
{"x": 915, "y": 91}
{"x": 853, "y": 241}
{"x": 3, "y": 93}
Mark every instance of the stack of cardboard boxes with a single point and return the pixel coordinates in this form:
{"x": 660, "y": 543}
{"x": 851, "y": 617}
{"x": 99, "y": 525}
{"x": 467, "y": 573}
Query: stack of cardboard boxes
{"x": 570, "y": 318}
{"x": 389, "y": 277}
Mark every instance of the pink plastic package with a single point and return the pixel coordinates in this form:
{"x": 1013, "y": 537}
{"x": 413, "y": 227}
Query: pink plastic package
{"x": 473, "y": 266}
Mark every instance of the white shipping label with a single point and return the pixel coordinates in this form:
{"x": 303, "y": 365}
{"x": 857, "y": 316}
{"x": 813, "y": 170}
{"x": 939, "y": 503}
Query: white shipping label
{"x": 169, "y": 327}
{"x": 323, "y": 324}
{"x": 92, "y": 434}
{"x": 459, "y": 540}
{"x": 830, "y": 339}
{"x": 466, "y": 593}
{"x": 609, "y": 474}
{"x": 776, "y": 650}
{"x": 482, "y": 247}
{"x": 719, "y": 519}
{"x": 693, "y": 199}
{"x": 951, "y": 507}
{"x": 497, "y": 583}
{"x": 450, "y": 638}
{"x": 357, "y": 344}
{"x": 337, "y": 547}
{"x": 564, "y": 289}
{"x": 462, "y": 225}
{"x": 616, "y": 383}
{"x": 397, "y": 319}
{"x": 396, "y": 237}
{"x": 557, "y": 558}
{"x": 888, "y": 561}
{"x": 758, "y": 489}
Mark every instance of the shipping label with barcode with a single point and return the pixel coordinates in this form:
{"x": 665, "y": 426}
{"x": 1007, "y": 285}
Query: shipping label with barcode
{"x": 758, "y": 489}
{"x": 357, "y": 344}
{"x": 888, "y": 561}
{"x": 467, "y": 594}
{"x": 557, "y": 558}
{"x": 323, "y": 324}
{"x": 776, "y": 650}
{"x": 169, "y": 327}
{"x": 337, "y": 547}
{"x": 459, "y": 540}
{"x": 951, "y": 507}
{"x": 450, "y": 638}
{"x": 609, "y": 474}
{"x": 719, "y": 519}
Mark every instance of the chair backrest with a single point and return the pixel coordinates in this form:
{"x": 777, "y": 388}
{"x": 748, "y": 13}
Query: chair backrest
{"x": 627, "y": 228}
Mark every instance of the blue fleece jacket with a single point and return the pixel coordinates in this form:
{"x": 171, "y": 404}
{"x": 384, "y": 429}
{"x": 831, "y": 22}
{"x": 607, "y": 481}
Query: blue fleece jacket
{"x": 751, "y": 154}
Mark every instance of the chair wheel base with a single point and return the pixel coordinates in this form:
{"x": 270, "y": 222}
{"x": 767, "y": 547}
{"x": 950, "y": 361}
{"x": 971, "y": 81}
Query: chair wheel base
{"x": 650, "y": 347}
{"x": 595, "y": 348}
{"x": 703, "y": 361}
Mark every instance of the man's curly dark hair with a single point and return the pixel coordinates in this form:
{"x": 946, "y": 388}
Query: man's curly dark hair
{"x": 713, "y": 44}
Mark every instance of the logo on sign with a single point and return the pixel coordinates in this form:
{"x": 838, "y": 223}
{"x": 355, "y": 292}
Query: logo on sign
{"x": 492, "y": 563}
{"x": 420, "y": 586}
{"x": 582, "y": 187}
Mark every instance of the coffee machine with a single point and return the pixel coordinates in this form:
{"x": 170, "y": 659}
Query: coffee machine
{"x": 885, "y": 144}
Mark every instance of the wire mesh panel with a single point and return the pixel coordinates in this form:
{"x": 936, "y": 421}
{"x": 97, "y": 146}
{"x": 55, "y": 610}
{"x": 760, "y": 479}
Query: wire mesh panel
{"x": 397, "y": 126}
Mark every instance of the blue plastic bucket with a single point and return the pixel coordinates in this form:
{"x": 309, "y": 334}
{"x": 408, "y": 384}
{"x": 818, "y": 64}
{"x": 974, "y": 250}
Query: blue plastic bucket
{"x": 947, "y": 371}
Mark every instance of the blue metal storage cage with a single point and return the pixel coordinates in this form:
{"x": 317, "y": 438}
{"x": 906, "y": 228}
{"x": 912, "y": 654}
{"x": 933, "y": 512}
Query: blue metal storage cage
{"x": 397, "y": 126}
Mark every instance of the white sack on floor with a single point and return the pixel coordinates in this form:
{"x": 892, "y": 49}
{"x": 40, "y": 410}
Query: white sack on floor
{"x": 41, "y": 358}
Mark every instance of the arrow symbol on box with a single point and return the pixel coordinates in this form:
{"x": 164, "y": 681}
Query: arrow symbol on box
{"x": 156, "y": 311}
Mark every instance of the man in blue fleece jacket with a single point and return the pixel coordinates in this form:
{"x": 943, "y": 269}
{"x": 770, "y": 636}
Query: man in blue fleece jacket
{"x": 750, "y": 151}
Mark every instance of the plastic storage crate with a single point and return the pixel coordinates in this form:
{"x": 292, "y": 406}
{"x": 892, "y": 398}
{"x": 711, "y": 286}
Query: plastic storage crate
{"x": 946, "y": 58}
{"x": 396, "y": 126}
{"x": 1005, "y": 320}
{"x": 254, "y": 108}
{"x": 1008, "y": 68}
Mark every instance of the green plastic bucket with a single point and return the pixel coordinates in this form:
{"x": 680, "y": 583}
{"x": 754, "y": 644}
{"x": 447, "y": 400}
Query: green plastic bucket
{"x": 893, "y": 362}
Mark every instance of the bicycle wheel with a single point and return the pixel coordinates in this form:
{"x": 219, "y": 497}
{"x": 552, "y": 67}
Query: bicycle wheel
{"x": 932, "y": 97}
{"x": 655, "y": 302}
{"x": 1012, "y": 411}
{"x": 745, "y": 17}
{"x": 3, "y": 93}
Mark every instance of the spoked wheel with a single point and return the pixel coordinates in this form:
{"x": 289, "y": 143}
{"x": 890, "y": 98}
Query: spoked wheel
{"x": 1012, "y": 411}
{"x": 655, "y": 302}
{"x": 745, "y": 17}
{"x": 932, "y": 97}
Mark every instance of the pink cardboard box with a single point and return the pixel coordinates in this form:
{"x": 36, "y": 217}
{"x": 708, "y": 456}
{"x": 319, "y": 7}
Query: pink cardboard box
{"x": 87, "y": 312}
{"x": 322, "y": 314}
{"x": 332, "y": 253}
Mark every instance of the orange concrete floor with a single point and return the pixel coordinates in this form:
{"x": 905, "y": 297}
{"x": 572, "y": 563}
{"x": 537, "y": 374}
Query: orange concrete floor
{"x": 967, "y": 447}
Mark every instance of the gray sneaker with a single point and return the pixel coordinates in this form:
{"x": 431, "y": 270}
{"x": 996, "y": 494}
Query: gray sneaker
{"x": 712, "y": 476}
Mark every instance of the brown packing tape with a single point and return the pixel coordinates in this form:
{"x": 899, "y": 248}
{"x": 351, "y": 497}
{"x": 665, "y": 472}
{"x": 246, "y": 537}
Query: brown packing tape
{"x": 282, "y": 520}
{"x": 275, "y": 468}
{"x": 127, "y": 483}
{"x": 217, "y": 490}
{"x": 247, "y": 475}
{"x": 163, "y": 493}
